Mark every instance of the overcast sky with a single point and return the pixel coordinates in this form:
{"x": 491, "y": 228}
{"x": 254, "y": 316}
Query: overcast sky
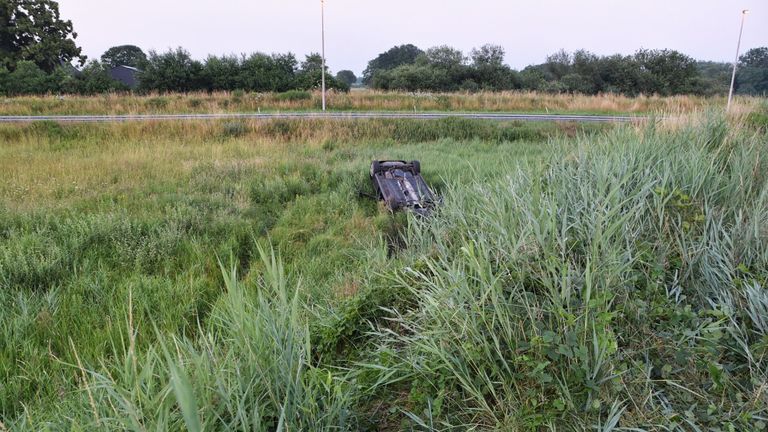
{"x": 358, "y": 30}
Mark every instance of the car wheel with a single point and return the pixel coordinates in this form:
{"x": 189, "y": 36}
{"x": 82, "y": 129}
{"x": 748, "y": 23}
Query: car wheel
{"x": 416, "y": 166}
{"x": 375, "y": 168}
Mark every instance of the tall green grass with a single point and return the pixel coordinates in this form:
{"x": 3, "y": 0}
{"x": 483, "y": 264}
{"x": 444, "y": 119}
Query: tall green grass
{"x": 92, "y": 216}
{"x": 247, "y": 370}
{"x": 620, "y": 285}
{"x": 623, "y": 287}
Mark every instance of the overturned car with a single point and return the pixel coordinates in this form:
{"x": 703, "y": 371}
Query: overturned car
{"x": 400, "y": 185}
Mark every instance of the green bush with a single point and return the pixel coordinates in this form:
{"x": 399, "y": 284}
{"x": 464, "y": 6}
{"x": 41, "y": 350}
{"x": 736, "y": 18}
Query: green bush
{"x": 172, "y": 71}
{"x": 282, "y": 129}
{"x": 29, "y": 79}
{"x": 758, "y": 118}
{"x": 294, "y": 95}
{"x": 95, "y": 79}
{"x": 4, "y": 81}
{"x": 234, "y": 129}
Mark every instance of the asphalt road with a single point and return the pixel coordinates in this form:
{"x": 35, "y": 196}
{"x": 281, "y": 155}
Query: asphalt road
{"x": 327, "y": 115}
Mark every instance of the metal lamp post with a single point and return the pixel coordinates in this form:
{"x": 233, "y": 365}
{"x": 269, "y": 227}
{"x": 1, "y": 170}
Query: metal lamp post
{"x": 736, "y": 61}
{"x": 322, "y": 22}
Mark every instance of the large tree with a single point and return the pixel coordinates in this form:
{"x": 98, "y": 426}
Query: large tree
{"x": 309, "y": 75}
{"x": 223, "y": 73}
{"x": 444, "y": 57}
{"x": 276, "y": 72}
{"x": 666, "y": 72}
{"x": 488, "y": 55}
{"x": 346, "y": 76}
{"x": 753, "y": 73}
{"x": 392, "y": 58}
{"x": 756, "y": 57}
{"x": 124, "y": 55}
{"x": 558, "y": 65}
{"x": 313, "y": 63}
{"x": 172, "y": 71}
{"x": 714, "y": 77}
{"x": 33, "y": 30}
{"x": 489, "y": 71}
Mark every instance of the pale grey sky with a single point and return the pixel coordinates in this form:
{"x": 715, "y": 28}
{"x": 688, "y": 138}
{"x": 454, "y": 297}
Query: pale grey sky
{"x": 357, "y": 31}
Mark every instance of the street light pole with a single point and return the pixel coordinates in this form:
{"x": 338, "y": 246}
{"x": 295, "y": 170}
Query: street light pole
{"x": 736, "y": 61}
{"x": 322, "y": 21}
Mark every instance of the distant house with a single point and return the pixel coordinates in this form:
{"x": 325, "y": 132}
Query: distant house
{"x": 125, "y": 74}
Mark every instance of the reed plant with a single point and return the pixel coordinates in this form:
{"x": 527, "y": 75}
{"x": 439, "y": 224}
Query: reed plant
{"x": 620, "y": 289}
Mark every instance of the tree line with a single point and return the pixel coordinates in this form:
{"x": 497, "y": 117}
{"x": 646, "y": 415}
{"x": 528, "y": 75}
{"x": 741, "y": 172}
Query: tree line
{"x": 173, "y": 71}
{"x": 662, "y": 72}
{"x": 176, "y": 71}
{"x": 38, "y": 55}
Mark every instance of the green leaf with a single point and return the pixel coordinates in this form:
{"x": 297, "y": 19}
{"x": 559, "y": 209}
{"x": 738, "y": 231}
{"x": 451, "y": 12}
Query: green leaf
{"x": 559, "y": 404}
{"x": 182, "y": 388}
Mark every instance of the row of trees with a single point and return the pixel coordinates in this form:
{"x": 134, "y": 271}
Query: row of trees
{"x": 664, "y": 72}
{"x": 174, "y": 71}
{"x": 442, "y": 69}
{"x": 405, "y": 67}
{"x": 28, "y": 78}
{"x": 38, "y": 50}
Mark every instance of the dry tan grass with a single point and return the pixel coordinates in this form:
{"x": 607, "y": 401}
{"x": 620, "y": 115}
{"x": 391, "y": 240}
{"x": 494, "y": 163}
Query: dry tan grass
{"x": 58, "y": 165}
{"x": 36, "y": 171}
{"x": 47, "y": 165}
{"x": 364, "y": 100}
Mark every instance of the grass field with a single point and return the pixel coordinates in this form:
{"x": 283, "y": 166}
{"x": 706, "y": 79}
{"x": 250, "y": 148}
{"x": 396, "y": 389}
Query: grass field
{"x": 361, "y": 100}
{"x": 233, "y": 275}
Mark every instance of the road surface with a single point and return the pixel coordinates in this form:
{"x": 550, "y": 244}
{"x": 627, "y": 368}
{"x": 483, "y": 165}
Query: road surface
{"x": 316, "y": 115}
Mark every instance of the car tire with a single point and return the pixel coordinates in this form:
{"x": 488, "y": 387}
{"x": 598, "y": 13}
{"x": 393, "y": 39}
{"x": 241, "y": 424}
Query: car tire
{"x": 416, "y": 166}
{"x": 375, "y": 168}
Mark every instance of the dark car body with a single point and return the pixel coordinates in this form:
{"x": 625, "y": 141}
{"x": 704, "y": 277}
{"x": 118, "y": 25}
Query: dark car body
{"x": 400, "y": 185}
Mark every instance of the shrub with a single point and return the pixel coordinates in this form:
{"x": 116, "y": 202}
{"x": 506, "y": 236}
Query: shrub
{"x": 294, "y": 95}
{"x": 158, "y": 102}
{"x": 234, "y": 129}
{"x": 4, "y": 81}
{"x": 173, "y": 71}
{"x": 29, "y": 79}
